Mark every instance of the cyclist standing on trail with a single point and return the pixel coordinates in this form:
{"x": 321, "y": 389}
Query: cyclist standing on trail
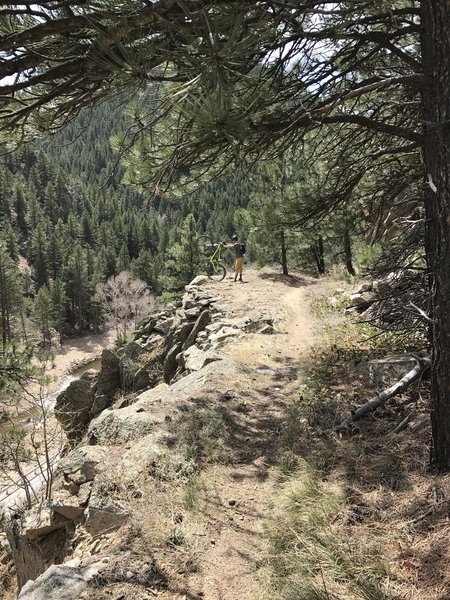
{"x": 238, "y": 248}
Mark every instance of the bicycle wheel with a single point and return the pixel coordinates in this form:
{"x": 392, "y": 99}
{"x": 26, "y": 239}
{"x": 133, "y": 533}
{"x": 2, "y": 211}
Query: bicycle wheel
{"x": 216, "y": 272}
{"x": 205, "y": 245}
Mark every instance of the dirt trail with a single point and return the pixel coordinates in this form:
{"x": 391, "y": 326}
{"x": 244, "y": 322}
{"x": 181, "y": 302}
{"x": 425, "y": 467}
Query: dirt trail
{"x": 230, "y": 562}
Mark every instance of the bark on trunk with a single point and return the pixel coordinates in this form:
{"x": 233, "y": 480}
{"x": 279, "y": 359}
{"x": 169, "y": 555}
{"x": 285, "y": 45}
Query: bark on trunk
{"x": 284, "y": 264}
{"x": 317, "y": 250}
{"x": 436, "y": 115}
{"x": 348, "y": 252}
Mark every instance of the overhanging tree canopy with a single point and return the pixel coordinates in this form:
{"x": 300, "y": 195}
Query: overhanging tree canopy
{"x": 235, "y": 79}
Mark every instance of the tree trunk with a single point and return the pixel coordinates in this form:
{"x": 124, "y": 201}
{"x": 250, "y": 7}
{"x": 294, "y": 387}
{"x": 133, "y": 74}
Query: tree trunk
{"x": 284, "y": 264}
{"x": 436, "y": 115}
{"x": 3, "y": 307}
{"x": 348, "y": 252}
{"x": 317, "y": 250}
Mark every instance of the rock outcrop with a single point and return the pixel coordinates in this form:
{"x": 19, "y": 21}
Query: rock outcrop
{"x": 38, "y": 540}
{"x": 173, "y": 360}
{"x": 86, "y": 397}
{"x": 73, "y": 408}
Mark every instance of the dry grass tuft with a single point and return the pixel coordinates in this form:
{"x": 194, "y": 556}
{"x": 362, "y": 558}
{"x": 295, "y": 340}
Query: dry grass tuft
{"x": 202, "y": 432}
{"x": 309, "y": 560}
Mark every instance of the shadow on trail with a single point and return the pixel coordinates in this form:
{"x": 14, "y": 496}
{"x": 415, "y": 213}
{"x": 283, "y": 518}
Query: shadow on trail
{"x": 255, "y": 419}
{"x": 289, "y": 280}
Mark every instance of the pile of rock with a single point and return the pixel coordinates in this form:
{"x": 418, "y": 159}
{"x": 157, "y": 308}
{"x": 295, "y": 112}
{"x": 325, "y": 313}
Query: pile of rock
{"x": 182, "y": 338}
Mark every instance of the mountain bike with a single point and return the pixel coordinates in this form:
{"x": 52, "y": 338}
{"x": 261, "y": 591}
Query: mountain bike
{"x": 215, "y": 269}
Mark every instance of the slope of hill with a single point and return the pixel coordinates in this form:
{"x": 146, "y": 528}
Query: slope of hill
{"x": 231, "y": 479}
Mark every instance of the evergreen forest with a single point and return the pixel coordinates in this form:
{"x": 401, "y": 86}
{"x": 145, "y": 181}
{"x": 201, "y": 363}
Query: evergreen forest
{"x": 69, "y": 223}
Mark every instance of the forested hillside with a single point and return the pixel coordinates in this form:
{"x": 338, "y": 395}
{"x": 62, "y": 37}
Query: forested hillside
{"x": 68, "y": 224}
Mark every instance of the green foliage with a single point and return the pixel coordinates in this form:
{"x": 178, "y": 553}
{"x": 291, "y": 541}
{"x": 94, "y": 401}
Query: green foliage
{"x": 183, "y": 258}
{"x": 15, "y": 364}
{"x": 192, "y": 493}
{"x": 43, "y": 314}
{"x": 366, "y": 255}
{"x": 10, "y": 296}
{"x": 176, "y": 537}
{"x": 66, "y": 211}
{"x": 170, "y": 469}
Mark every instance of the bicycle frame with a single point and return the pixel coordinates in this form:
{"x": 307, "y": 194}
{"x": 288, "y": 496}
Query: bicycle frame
{"x": 216, "y": 256}
{"x": 215, "y": 268}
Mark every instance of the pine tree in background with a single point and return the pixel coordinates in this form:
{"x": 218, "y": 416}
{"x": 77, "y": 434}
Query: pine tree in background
{"x": 183, "y": 260}
{"x": 20, "y": 208}
{"x": 8, "y": 235}
{"x": 59, "y": 302}
{"x": 148, "y": 268}
{"x": 39, "y": 253}
{"x": 10, "y": 295}
{"x": 76, "y": 279}
{"x": 42, "y": 315}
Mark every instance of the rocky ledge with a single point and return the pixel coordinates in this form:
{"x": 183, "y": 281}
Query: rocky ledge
{"x": 119, "y": 423}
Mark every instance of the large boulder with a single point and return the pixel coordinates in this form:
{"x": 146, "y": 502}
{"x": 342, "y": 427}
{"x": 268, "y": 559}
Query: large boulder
{"x": 192, "y": 313}
{"x": 255, "y": 321}
{"x": 145, "y": 327}
{"x": 113, "y": 427}
{"x": 38, "y": 542}
{"x": 212, "y": 377}
{"x": 138, "y": 457}
{"x": 40, "y": 520}
{"x": 224, "y": 333}
{"x": 159, "y": 402}
{"x": 106, "y": 385}
{"x": 73, "y": 408}
{"x": 105, "y": 510}
{"x": 196, "y": 282}
{"x": 366, "y": 286}
{"x": 61, "y": 582}
{"x": 182, "y": 332}
{"x": 170, "y": 363}
{"x": 163, "y": 327}
{"x": 83, "y": 464}
{"x": 362, "y": 301}
{"x": 90, "y": 375}
{"x": 194, "y": 359}
{"x": 109, "y": 376}
{"x": 152, "y": 342}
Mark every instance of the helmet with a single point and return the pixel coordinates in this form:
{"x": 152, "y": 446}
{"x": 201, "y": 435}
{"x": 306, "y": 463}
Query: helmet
{"x": 235, "y": 238}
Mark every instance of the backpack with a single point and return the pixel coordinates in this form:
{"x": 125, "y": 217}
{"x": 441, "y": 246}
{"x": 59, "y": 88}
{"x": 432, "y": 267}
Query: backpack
{"x": 243, "y": 248}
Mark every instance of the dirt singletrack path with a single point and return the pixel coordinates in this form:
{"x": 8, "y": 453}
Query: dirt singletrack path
{"x": 231, "y": 558}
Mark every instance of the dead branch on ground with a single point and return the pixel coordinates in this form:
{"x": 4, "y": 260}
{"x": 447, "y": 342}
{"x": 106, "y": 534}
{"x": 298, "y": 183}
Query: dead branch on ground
{"x": 422, "y": 365}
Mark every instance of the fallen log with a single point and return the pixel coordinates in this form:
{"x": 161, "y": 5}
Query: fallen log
{"x": 422, "y": 365}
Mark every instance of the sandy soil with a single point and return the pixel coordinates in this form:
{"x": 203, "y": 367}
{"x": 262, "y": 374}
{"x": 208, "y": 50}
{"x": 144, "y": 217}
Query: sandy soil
{"x": 77, "y": 351}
